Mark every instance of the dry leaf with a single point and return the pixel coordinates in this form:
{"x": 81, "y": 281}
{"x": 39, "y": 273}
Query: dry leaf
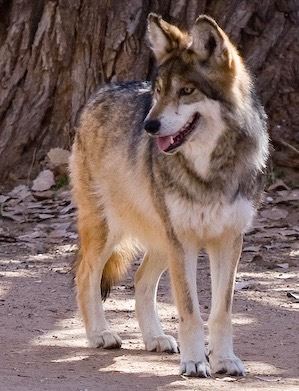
{"x": 34, "y": 205}
{"x": 268, "y": 378}
{"x": 60, "y": 226}
{"x": 44, "y": 194}
{"x": 252, "y": 248}
{"x": 287, "y": 196}
{"x": 44, "y": 216}
{"x": 244, "y": 285}
{"x": 72, "y": 235}
{"x": 58, "y": 233}
{"x": 283, "y": 265}
{"x": 289, "y": 232}
{"x": 279, "y": 184}
{"x": 44, "y": 181}
{"x": 12, "y": 216}
{"x": 5, "y": 236}
{"x": 3, "y": 198}
{"x": 226, "y": 379}
{"x": 67, "y": 217}
{"x": 31, "y": 236}
{"x": 20, "y": 192}
{"x": 274, "y": 213}
{"x": 67, "y": 208}
{"x": 293, "y": 295}
{"x": 63, "y": 195}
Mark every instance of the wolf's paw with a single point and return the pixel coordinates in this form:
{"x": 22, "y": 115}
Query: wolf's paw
{"x": 229, "y": 365}
{"x": 196, "y": 369}
{"x": 162, "y": 343}
{"x": 105, "y": 339}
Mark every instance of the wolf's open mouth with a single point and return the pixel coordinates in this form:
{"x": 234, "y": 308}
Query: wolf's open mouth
{"x": 170, "y": 143}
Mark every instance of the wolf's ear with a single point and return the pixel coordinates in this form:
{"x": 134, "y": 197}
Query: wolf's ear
{"x": 210, "y": 43}
{"x": 164, "y": 37}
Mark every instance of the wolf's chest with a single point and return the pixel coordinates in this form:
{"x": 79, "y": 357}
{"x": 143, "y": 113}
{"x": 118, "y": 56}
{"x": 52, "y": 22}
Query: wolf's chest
{"x": 209, "y": 220}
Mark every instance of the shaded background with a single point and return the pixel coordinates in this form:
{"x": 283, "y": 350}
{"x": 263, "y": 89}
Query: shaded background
{"x": 54, "y": 54}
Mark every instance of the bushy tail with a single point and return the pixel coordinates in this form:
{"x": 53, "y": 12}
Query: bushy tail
{"x": 117, "y": 265}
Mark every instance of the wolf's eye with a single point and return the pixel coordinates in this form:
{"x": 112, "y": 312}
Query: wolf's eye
{"x": 186, "y": 91}
{"x": 158, "y": 90}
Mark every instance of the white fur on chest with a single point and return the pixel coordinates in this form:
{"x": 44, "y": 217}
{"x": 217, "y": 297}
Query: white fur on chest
{"x": 209, "y": 221}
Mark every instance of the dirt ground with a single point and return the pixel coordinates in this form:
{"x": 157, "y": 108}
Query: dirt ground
{"x": 43, "y": 346}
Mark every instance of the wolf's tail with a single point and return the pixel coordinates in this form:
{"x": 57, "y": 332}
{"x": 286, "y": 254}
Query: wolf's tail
{"x": 117, "y": 265}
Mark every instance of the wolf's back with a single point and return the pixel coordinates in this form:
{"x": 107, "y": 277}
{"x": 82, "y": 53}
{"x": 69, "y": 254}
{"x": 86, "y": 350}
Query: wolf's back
{"x": 122, "y": 106}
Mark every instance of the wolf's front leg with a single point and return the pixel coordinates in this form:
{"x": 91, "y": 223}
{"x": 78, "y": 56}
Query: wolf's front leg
{"x": 224, "y": 254}
{"x": 191, "y": 330}
{"x": 146, "y": 284}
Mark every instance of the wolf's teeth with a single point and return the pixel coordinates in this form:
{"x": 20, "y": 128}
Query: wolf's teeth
{"x": 171, "y": 140}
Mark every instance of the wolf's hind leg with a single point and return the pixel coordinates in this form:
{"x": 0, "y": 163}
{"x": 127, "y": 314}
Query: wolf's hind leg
{"x": 146, "y": 284}
{"x": 224, "y": 255}
{"x": 95, "y": 251}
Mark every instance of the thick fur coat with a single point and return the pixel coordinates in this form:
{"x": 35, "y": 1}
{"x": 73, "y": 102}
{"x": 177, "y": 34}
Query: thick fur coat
{"x": 172, "y": 167}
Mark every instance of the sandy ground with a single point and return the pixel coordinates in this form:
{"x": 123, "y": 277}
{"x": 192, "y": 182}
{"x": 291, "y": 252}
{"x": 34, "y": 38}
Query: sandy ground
{"x": 43, "y": 346}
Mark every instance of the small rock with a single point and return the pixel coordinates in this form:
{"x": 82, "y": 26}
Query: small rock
{"x": 58, "y": 156}
{"x": 44, "y": 181}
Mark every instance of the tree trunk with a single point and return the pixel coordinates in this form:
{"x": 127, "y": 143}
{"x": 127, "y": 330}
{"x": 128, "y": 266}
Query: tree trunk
{"x": 54, "y": 53}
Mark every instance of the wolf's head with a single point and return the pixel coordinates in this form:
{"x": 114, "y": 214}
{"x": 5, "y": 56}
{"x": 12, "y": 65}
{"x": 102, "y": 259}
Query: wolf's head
{"x": 197, "y": 72}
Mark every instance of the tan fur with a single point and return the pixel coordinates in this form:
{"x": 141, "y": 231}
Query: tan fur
{"x": 127, "y": 190}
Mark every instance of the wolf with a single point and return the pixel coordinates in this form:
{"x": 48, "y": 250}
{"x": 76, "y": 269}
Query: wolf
{"x": 171, "y": 166}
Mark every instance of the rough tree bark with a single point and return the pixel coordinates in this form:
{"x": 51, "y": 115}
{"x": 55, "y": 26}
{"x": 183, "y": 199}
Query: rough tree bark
{"x": 54, "y": 53}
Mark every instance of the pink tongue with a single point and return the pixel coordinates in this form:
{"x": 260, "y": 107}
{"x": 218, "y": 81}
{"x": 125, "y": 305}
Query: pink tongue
{"x": 163, "y": 142}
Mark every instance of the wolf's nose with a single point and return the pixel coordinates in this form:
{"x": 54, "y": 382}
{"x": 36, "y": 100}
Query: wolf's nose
{"x": 152, "y": 126}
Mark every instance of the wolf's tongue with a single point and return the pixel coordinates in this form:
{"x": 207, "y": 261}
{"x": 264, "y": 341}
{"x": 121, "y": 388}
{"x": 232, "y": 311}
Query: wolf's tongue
{"x": 164, "y": 142}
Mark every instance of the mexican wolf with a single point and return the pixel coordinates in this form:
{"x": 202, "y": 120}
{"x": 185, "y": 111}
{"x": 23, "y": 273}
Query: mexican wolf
{"x": 172, "y": 167}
